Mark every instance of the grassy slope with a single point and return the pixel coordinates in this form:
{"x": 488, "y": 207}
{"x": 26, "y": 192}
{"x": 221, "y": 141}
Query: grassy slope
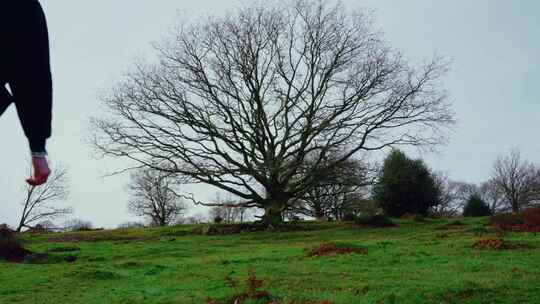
{"x": 415, "y": 263}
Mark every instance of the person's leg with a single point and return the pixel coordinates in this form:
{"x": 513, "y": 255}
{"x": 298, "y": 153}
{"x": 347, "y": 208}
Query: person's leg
{"x": 30, "y": 81}
{"x": 5, "y": 99}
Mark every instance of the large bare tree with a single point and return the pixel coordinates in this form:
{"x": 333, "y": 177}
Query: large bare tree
{"x": 41, "y": 202}
{"x": 517, "y": 179}
{"x": 237, "y": 102}
{"x": 153, "y": 195}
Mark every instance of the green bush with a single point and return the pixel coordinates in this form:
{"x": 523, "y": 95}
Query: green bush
{"x": 378, "y": 220}
{"x": 476, "y": 206}
{"x": 405, "y": 186}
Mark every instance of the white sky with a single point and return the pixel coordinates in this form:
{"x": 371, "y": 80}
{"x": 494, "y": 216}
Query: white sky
{"x": 493, "y": 84}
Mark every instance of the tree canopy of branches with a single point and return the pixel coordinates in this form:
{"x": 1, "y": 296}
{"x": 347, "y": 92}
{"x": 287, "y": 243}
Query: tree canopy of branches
{"x": 228, "y": 210}
{"x": 406, "y": 186}
{"x": 517, "y": 179}
{"x": 239, "y": 101}
{"x": 493, "y": 196}
{"x": 455, "y": 195}
{"x": 153, "y": 196}
{"x": 41, "y": 202}
{"x": 341, "y": 188}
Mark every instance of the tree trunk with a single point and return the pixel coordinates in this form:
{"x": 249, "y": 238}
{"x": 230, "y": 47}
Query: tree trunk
{"x": 319, "y": 213}
{"x": 273, "y": 212}
{"x": 515, "y": 207}
{"x": 21, "y": 224}
{"x": 515, "y": 204}
{"x": 273, "y": 216}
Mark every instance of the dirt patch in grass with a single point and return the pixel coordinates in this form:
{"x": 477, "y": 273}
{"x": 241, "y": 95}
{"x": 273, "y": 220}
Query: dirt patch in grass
{"x": 11, "y": 248}
{"x": 499, "y": 244}
{"x": 461, "y": 295}
{"x": 326, "y": 249}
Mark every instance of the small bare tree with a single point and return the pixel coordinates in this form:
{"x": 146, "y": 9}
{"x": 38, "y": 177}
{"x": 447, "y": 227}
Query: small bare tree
{"x": 493, "y": 196}
{"x": 78, "y": 225}
{"x": 41, "y": 202}
{"x": 453, "y": 194}
{"x": 238, "y": 102}
{"x": 197, "y": 218}
{"x": 228, "y": 210}
{"x": 340, "y": 190}
{"x": 517, "y": 179}
{"x": 153, "y": 196}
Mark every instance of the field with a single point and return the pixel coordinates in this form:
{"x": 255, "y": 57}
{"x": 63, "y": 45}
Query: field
{"x": 431, "y": 261}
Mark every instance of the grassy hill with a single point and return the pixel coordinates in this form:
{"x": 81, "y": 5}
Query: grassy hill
{"x": 418, "y": 262}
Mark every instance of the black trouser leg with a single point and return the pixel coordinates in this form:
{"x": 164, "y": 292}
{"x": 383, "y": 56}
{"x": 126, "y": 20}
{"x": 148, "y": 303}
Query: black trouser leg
{"x": 5, "y": 100}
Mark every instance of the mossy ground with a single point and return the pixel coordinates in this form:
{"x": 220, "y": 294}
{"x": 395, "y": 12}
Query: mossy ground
{"x": 417, "y": 262}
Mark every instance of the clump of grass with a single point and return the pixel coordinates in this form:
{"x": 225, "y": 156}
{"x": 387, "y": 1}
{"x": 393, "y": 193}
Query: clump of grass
{"x": 251, "y": 293}
{"x": 419, "y": 218}
{"x": 130, "y": 264}
{"x": 95, "y": 274}
{"x": 157, "y": 269}
{"x": 455, "y": 224}
{"x": 64, "y": 249}
{"x": 45, "y": 258}
{"x": 479, "y": 230}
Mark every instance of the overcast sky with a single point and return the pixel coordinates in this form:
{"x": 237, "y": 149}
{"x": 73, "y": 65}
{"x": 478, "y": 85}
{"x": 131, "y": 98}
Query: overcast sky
{"x": 493, "y": 85}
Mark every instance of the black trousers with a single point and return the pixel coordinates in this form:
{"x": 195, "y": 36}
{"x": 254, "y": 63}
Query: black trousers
{"x": 5, "y": 99}
{"x": 25, "y": 66}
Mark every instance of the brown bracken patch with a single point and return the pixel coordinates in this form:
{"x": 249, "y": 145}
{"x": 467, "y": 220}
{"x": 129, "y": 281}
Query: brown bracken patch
{"x": 10, "y": 248}
{"x": 491, "y": 243}
{"x": 326, "y": 249}
{"x": 499, "y": 244}
{"x": 252, "y": 292}
{"x": 531, "y": 217}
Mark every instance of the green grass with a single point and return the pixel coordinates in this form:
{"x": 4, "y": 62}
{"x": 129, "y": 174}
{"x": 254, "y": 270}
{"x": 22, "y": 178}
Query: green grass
{"x": 417, "y": 262}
